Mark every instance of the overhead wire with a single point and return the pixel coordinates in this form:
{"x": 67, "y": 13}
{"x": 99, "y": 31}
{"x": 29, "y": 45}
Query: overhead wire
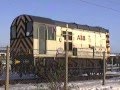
{"x": 113, "y": 1}
{"x": 102, "y": 6}
{"x": 98, "y": 5}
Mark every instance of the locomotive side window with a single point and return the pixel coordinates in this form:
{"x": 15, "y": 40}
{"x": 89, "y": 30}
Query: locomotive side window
{"x": 64, "y": 34}
{"x": 41, "y": 35}
{"x": 69, "y": 35}
{"x": 36, "y": 32}
{"x": 51, "y": 33}
{"x": 29, "y": 28}
{"x": 13, "y": 31}
{"x": 69, "y": 46}
{"x": 69, "y": 40}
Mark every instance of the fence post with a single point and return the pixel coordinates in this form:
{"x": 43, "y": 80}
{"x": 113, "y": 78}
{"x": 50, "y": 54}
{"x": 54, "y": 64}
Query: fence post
{"x": 7, "y": 69}
{"x": 112, "y": 64}
{"x": 66, "y": 61}
{"x": 104, "y": 68}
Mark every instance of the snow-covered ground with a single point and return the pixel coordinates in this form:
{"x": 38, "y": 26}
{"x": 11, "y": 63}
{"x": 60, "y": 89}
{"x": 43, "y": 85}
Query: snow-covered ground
{"x": 110, "y": 84}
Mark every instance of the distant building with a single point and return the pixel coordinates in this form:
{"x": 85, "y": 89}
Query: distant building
{"x": 2, "y": 55}
{"x": 3, "y": 58}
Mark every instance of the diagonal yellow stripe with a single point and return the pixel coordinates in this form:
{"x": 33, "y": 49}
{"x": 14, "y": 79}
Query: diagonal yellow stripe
{"x": 28, "y": 41}
{"x": 21, "y": 24}
{"x": 21, "y": 32}
{"x": 23, "y": 18}
{"x": 23, "y": 40}
{"x": 18, "y": 19}
{"x": 28, "y": 18}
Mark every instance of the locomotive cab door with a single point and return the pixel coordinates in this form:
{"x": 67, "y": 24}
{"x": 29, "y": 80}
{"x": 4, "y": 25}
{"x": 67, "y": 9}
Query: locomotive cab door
{"x": 42, "y": 39}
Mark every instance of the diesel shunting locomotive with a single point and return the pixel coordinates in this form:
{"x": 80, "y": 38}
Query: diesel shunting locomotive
{"x": 38, "y": 44}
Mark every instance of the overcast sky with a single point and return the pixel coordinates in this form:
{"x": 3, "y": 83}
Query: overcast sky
{"x": 104, "y": 13}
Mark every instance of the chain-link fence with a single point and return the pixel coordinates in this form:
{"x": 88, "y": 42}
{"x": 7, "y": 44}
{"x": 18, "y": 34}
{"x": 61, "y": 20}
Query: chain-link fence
{"x": 49, "y": 73}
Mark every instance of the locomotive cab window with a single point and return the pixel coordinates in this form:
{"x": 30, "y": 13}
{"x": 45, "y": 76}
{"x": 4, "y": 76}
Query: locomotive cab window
{"x": 13, "y": 32}
{"x": 51, "y": 33}
{"x": 29, "y": 28}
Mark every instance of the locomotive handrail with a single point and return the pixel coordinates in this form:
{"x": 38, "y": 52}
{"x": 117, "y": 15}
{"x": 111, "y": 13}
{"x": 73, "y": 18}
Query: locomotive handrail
{"x": 81, "y": 54}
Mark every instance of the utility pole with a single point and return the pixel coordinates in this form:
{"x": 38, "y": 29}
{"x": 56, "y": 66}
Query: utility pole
{"x": 7, "y": 70}
{"x": 66, "y": 61}
{"x": 104, "y": 68}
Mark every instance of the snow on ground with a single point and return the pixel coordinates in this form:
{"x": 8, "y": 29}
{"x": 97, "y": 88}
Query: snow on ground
{"x": 110, "y": 84}
{"x": 113, "y": 84}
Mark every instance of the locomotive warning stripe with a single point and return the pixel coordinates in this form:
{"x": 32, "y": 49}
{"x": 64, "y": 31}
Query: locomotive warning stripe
{"x": 18, "y": 20}
{"x": 21, "y": 25}
{"x": 19, "y": 50}
{"x": 31, "y": 39}
{"x": 21, "y": 21}
{"x": 21, "y": 28}
{"x": 23, "y": 18}
{"x": 13, "y": 44}
{"x": 21, "y": 44}
{"x": 29, "y": 43}
{"x": 16, "y": 51}
{"x": 24, "y": 44}
{"x": 21, "y": 33}
{"x": 22, "y": 48}
{"x": 17, "y": 44}
{"x": 28, "y": 18}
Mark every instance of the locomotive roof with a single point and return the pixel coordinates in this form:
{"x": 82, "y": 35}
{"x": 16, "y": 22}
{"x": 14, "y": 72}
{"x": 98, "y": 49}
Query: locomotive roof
{"x": 63, "y": 24}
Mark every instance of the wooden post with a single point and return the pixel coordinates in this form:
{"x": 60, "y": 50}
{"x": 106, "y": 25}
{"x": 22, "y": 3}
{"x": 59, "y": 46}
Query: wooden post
{"x": 66, "y": 61}
{"x": 112, "y": 64}
{"x": 7, "y": 70}
{"x": 104, "y": 68}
